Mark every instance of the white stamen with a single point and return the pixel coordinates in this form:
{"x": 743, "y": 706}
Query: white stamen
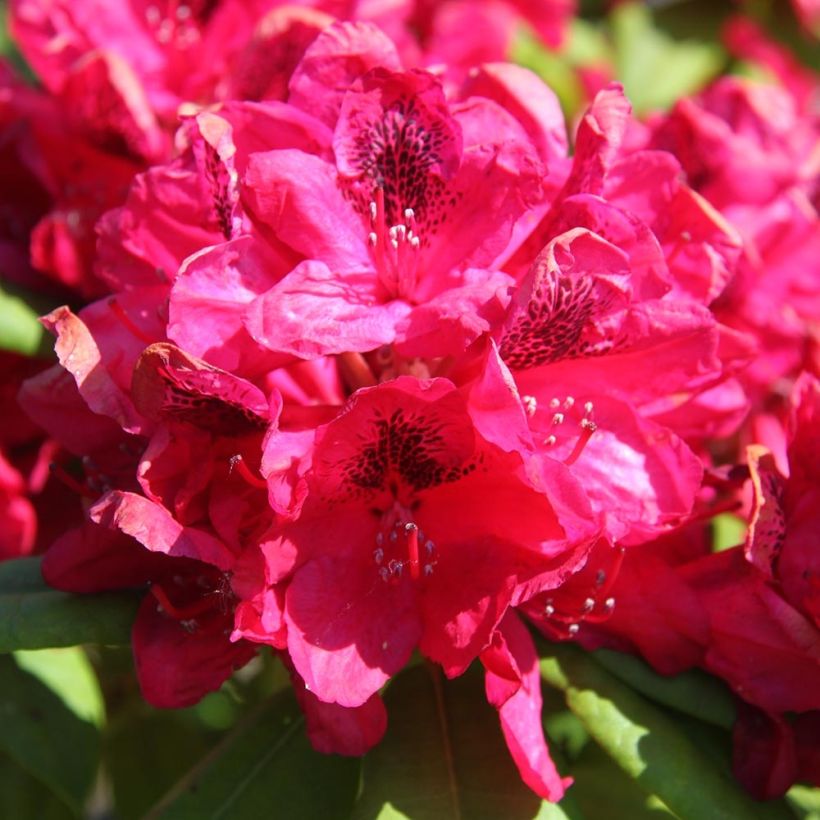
{"x": 568, "y": 402}
{"x": 550, "y": 440}
{"x": 409, "y": 214}
{"x": 530, "y": 404}
{"x": 429, "y": 546}
{"x": 558, "y": 418}
{"x": 428, "y": 569}
{"x": 573, "y": 629}
{"x": 415, "y": 242}
{"x": 588, "y": 407}
{"x": 374, "y": 211}
{"x": 378, "y": 554}
{"x": 554, "y": 404}
{"x": 609, "y": 603}
{"x": 589, "y": 603}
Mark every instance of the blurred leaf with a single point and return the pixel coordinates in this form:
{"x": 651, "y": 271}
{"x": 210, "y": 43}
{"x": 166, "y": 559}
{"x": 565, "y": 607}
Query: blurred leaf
{"x": 552, "y": 68}
{"x": 146, "y": 751}
{"x": 44, "y": 737}
{"x": 647, "y": 744}
{"x": 34, "y": 616}
{"x": 23, "y": 797}
{"x": 728, "y": 530}
{"x": 69, "y": 674}
{"x": 265, "y": 765}
{"x": 655, "y": 69}
{"x": 694, "y": 693}
{"x": 20, "y": 330}
{"x": 444, "y": 756}
{"x": 805, "y": 802}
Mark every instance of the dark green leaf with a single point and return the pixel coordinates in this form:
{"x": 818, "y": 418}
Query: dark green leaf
{"x": 444, "y": 757}
{"x": 146, "y": 751}
{"x": 694, "y": 693}
{"x": 22, "y": 797}
{"x": 647, "y": 744}
{"x": 34, "y": 616}
{"x": 44, "y": 737}
{"x": 265, "y": 768}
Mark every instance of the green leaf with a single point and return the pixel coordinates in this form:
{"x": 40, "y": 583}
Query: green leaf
{"x": 264, "y": 768}
{"x": 693, "y": 693}
{"x": 647, "y": 744}
{"x": 655, "y": 69}
{"x": 728, "y": 530}
{"x": 69, "y": 674}
{"x": 444, "y": 757}
{"x": 23, "y": 796}
{"x": 45, "y": 738}
{"x": 20, "y": 330}
{"x": 34, "y": 616}
{"x": 805, "y": 802}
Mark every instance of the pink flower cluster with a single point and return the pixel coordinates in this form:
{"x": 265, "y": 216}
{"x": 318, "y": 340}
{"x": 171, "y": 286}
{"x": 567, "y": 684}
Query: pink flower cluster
{"x": 382, "y": 367}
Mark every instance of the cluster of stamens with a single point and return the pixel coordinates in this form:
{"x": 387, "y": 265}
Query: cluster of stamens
{"x": 176, "y": 27}
{"x": 584, "y": 599}
{"x": 395, "y": 249}
{"x": 403, "y": 548}
{"x": 568, "y": 418}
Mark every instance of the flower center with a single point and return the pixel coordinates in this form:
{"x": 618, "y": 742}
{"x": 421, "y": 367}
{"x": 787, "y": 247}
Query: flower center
{"x": 396, "y": 249}
{"x": 402, "y": 549}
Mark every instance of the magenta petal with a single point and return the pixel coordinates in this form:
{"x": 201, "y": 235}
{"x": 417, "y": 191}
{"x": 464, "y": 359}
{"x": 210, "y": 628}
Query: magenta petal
{"x": 519, "y": 707}
{"x": 154, "y": 527}
{"x": 295, "y": 195}
{"x": 452, "y": 320}
{"x": 340, "y": 54}
{"x": 314, "y": 312}
{"x": 348, "y": 631}
{"x": 209, "y": 298}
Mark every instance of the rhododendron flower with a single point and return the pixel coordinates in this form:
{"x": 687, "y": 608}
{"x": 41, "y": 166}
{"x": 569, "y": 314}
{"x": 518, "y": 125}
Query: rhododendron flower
{"x": 396, "y": 233}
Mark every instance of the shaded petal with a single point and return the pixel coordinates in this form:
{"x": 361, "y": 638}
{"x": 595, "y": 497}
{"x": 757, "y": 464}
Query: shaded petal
{"x": 177, "y": 667}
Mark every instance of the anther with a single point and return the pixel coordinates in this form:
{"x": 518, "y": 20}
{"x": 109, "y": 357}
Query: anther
{"x": 588, "y": 408}
{"x": 550, "y": 440}
{"x": 568, "y": 402}
{"x": 573, "y": 629}
{"x": 374, "y": 212}
{"x": 609, "y": 603}
{"x": 589, "y": 603}
{"x": 549, "y": 609}
{"x": 530, "y": 404}
{"x": 557, "y": 419}
{"x": 555, "y": 404}
{"x": 372, "y": 239}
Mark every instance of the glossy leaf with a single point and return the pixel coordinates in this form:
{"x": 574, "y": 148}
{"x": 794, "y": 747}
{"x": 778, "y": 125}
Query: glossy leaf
{"x": 34, "y": 616}
{"x": 69, "y": 674}
{"x": 647, "y": 744}
{"x": 693, "y": 693}
{"x": 444, "y": 757}
{"x": 264, "y": 768}
{"x": 46, "y": 738}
